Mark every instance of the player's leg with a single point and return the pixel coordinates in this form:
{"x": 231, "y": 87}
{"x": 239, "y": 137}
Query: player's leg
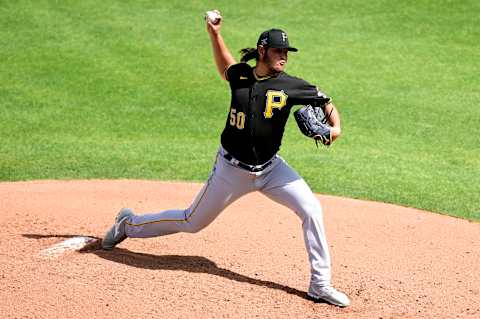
{"x": 223, "y": 187}
{"x": 286, "y": 187}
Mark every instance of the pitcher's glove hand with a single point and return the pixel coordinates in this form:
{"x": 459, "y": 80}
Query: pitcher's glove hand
{"x": 312, "y": 122}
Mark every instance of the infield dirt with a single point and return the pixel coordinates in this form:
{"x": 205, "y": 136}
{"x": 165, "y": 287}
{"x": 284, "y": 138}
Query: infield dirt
{"x": 393, "y": 262}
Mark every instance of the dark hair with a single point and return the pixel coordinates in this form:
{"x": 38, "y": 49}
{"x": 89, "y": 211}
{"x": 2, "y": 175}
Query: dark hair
{"x": 248, "y": 54}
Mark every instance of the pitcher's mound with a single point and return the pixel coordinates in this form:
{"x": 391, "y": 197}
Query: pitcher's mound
{"x": 393, "y": 262}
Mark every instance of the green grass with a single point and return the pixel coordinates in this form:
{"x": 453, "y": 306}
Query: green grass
{"x": 128, "y": 89}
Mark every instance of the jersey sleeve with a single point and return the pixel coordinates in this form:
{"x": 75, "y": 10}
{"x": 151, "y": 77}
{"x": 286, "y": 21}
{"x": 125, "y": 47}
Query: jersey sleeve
{"x": 237, "y": 72}
{"x": 304, "y": 93}
{"x": 229, "y": 73}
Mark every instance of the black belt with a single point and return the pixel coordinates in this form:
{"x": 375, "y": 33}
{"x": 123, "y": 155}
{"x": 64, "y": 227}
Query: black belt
{"x": 250, "y": 168}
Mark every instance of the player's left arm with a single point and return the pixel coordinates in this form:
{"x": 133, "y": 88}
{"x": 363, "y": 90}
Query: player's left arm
{"x": 333, "y": 120}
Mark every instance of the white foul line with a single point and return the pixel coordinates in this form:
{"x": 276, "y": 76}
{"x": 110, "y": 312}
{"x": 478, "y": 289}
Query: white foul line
{"x": 75, "y": 243}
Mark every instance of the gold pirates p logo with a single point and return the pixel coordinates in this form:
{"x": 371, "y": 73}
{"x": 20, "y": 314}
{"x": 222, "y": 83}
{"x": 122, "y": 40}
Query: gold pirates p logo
{"x": 275, "y": 100}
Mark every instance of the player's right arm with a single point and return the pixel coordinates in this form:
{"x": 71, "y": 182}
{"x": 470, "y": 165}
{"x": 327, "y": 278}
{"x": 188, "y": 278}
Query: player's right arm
{"x": 221, "y": 53}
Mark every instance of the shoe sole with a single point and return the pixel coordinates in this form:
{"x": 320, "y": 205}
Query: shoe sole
{"x": 124, "y": 213}
{"x": 110, "y": 244}
{"x": 321, "y": 300}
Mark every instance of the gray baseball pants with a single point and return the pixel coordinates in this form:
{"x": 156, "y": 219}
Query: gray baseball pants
{"x": 226, "y": 183}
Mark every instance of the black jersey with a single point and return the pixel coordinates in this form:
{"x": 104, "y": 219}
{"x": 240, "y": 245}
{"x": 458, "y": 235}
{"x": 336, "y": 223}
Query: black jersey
{"x": 259, "y": 110}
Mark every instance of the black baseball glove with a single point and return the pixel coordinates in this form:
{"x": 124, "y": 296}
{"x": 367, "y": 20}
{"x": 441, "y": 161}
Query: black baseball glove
{"x": 312, "y": 122}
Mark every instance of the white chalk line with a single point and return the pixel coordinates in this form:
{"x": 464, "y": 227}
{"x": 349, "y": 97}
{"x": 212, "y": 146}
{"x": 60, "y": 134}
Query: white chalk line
{"x": 71, "y": 244}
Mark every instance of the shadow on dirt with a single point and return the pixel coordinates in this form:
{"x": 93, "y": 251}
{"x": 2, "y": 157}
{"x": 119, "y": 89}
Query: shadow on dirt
{"x": 193, "y": 264}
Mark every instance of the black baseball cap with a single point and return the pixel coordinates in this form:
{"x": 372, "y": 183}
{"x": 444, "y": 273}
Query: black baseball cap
{"x": 275, "y": 38}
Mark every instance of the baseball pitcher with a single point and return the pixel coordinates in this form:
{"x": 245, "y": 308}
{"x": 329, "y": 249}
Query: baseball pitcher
{"x": 262, "y": 97}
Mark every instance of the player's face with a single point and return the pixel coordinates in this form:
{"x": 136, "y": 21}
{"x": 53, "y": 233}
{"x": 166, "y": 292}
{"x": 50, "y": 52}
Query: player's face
{"x": 275, "y": 59}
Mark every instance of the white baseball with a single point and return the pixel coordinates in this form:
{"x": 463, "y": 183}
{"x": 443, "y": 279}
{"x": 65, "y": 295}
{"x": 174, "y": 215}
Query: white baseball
{"x": 213, "y": 17}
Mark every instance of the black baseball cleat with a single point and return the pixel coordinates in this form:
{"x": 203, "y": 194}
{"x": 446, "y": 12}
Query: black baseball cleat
{"x": 116, "y": 234}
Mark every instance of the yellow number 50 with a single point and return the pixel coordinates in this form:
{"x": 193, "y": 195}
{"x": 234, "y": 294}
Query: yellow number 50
{"x": 275, "y": 100}
{"x": 237, "y": 119}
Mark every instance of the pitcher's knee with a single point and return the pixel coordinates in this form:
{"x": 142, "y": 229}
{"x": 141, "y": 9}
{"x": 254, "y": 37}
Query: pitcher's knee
{"x": 193, "y": 223}
{"x": 193, "y": 227}
{"x": 311, "y": 211}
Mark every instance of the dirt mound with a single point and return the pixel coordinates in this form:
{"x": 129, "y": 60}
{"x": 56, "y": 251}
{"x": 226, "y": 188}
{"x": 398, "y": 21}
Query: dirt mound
{"x": 393, "y": 262}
